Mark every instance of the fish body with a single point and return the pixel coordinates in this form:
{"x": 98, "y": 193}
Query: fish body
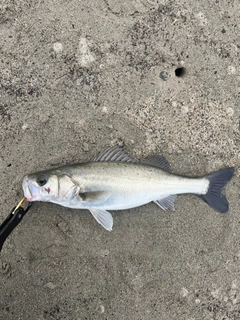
{"x": 114, "y": 181}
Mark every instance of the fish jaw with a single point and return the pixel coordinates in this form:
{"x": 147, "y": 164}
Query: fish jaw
{"x": 31, "y": 192}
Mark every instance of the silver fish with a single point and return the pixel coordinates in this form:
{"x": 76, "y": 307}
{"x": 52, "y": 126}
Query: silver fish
{"x": 114, "y": 181}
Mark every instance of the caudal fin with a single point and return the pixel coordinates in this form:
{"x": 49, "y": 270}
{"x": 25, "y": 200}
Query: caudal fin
{"x": 214, "y": 196}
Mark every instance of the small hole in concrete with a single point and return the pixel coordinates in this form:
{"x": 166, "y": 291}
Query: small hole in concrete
{"x": 179, "y": 72}
{"x": 9, "y": 165}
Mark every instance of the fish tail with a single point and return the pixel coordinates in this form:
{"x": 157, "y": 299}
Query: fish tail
{"x": 217, "y": 181}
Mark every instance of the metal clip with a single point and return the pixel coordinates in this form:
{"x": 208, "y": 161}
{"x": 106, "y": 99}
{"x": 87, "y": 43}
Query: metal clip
{"x": 20, "y": 205}
{"x": 13, "y": 219}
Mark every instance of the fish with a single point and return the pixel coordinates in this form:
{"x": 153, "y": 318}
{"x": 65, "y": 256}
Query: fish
{"x": 113, "y": 180}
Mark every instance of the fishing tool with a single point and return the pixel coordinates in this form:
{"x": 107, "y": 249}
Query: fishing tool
{"x": 13, "y": 219}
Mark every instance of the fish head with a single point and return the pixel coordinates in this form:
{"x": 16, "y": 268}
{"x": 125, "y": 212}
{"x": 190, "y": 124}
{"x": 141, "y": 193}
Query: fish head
{"x": 50, "y": 186}
{"x": 40, "y": 186}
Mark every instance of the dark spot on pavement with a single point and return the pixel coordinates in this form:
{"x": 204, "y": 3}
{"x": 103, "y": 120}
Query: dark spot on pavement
{"x": 180, "y": 72}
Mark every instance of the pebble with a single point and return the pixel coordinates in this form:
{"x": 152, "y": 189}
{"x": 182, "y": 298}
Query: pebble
{"x": 84, "y": 55}
{"x": 24, "y": 126}
{"x": 85, "y": 147}
{"x": 104, "y": 110}
{"x": 184, "y": 109}
{"x": 230, "y": 111}
{"x": 231, "y": 70}
{"x": 50, "y": 285}
{"x": 57, "y": 47}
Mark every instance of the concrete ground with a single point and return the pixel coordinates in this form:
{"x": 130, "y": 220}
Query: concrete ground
{"x": 78, "y": 76}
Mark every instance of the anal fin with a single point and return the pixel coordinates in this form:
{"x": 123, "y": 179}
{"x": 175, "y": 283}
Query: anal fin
{"x": 103, "y": 217}
{"x": 167, "y": 203}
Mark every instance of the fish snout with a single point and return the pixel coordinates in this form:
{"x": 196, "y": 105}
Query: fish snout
{"x": 28, "y": 189}
{"x": 25, "y": 188}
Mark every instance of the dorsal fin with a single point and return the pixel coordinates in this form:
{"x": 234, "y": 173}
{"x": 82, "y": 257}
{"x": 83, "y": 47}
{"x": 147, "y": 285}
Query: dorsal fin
{"x": 113, "y": 154}
{"x": 158, "y": 161}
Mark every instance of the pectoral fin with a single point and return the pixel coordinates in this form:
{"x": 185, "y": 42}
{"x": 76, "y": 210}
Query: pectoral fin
{"x": 103, "y": 217}
{"x": 95, "y": 197}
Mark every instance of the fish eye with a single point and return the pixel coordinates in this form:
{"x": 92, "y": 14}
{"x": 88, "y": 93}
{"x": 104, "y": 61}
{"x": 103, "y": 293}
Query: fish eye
{"x": 41, "y": 181}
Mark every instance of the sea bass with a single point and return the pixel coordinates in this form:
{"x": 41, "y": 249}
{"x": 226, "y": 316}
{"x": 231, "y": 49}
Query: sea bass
{"x": 114, "y": 181}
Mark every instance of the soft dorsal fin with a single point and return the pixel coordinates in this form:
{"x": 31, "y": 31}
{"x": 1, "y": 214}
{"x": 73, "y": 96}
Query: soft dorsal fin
{"x": 158, "y": 161}
{"x": 113, "y": 154}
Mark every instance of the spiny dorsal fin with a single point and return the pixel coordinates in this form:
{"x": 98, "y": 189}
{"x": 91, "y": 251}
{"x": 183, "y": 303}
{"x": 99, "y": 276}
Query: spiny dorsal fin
{"x": 113, "y": 154}
{"x": 158, "y": 161}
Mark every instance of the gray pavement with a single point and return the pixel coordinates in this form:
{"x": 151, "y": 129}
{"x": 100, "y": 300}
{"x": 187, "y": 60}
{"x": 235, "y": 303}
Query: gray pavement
{"x": 78, "y": 76}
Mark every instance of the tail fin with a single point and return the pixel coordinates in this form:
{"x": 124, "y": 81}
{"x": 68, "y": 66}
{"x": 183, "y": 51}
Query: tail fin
{"x": 214, "y": 196}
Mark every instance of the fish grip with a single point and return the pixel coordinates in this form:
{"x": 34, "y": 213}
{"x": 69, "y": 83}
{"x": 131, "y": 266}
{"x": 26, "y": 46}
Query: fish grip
{"x": 13, "y": 219}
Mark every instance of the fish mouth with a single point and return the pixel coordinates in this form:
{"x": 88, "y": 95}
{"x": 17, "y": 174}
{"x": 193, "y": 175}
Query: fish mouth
{"x": 28, "y": 190}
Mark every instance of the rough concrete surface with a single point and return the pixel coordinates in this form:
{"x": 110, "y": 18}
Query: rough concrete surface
{"x": 78, "y": 76}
